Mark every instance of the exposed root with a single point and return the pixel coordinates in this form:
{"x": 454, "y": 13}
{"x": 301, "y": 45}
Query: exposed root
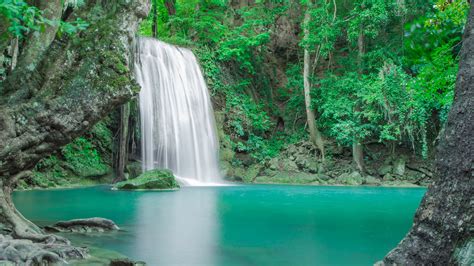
{"x": 27, "y": 252}
{"x": 24, "y": 243}
{"x": 95, "y": 224}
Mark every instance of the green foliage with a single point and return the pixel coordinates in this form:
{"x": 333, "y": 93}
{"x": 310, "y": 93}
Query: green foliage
{"x": 292, "y": 94}
{"x": 386, "y": 92}
{"x": 441, "y": 26}
{"x": 82, "y": 156}
{"x": 23, "y": 18}
{"x": 368, "y": 17}
{"x": 48, "y": 172}
{"x": 243, "y": 43}
{"x": 323, "y": 28}
{"x": 79, "y": 159}
{"x": 338, "y": 98}
{"x": 436, "y": 80}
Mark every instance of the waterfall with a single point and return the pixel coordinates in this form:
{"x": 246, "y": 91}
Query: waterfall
{"x": 178, "y": 130}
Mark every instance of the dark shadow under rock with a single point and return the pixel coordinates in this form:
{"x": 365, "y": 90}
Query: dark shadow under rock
{"x": 88, "y": 225}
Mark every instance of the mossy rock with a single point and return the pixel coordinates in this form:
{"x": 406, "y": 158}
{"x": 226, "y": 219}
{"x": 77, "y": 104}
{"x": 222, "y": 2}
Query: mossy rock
{"x": 153, "y": 179}
{"x": 290, "y": 178}
{"x": 251, "y": 173}
{"x": 372, "y": 181}
{"x": 352, "y": 179}
{"x": 236, "y": 173}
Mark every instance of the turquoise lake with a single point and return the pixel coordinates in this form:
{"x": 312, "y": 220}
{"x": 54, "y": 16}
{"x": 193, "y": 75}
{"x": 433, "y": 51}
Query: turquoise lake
{"x": 238, "y": 225}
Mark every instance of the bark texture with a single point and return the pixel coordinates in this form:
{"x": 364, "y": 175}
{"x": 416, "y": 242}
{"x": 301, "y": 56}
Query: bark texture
{"x": 443, "y": 222}
{"x": 64, "y": 87}
{"x": 123, "y": 142}
{"x": 357, "y": 147}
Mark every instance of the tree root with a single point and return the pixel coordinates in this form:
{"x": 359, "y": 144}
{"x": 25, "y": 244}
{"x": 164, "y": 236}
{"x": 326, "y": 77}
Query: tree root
{"x": 95, "y": 224}
{"x": 24, "y": 243}
{"x": 28, "y": 252}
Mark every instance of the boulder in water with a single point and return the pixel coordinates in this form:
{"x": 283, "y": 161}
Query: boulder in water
{"x": 153, "y": 179}
{"x": 88, "y": 225}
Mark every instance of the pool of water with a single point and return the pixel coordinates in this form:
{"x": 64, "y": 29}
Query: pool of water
{"x": 238, "y": 225}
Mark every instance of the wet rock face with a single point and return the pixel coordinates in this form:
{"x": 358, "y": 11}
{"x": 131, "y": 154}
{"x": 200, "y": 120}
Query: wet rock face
{"x": 84, "y": 226}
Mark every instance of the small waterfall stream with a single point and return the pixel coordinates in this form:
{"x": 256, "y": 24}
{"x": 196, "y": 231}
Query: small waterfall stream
{"x": 177, "y": 120}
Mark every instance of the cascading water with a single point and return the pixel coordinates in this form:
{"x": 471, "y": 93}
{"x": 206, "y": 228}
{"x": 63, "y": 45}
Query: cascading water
{"x": 177, "y": 121}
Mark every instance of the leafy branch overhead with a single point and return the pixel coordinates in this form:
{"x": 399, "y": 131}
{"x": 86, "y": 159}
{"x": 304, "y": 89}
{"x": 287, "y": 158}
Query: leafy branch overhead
{"x": 23, "y": 19}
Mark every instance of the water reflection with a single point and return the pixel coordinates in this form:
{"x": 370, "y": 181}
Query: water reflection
{"x": 178, "y": 230}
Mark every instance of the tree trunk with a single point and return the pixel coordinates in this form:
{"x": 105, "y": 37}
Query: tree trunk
{"x": 314, "y": 134}
{"x": 76, "y": 81}
{"x": 123, "y": 142}
{"x": 357, "y": 148}
{"x": 13, "y": 54}
{"x": 444, "y": 220}
{"x": 358, "y": 156}
{"x": 171, "y": 7}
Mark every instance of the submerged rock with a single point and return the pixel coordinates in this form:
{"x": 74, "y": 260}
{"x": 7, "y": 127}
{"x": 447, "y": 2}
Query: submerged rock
{"x": 125, "y": 262}
{"x": 153, "y": 179}
{"x": 101, "y": 256}
{"x": 95, "y": 224}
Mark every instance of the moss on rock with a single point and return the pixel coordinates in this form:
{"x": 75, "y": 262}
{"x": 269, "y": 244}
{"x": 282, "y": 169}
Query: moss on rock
{"x": 351, "y": 179}
{"x": 153, "y": 179}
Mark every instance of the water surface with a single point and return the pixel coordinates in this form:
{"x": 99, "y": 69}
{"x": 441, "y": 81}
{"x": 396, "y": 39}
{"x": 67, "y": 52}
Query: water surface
{"x": 238, "y": 225}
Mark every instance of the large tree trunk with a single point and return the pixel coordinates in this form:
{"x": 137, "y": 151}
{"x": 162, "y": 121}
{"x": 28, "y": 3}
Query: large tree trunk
{"x": 444, "y": 220}
{"x": 69, "y": 84}
{"x": 314, "y": 134}
{"x": 357, "y": 147}
{"x": 123, "y": 142}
